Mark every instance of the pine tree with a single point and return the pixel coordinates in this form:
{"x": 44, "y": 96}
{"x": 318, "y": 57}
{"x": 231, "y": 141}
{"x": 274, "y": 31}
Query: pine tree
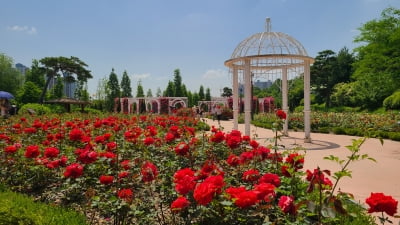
{"x": 177, "y": 83}
{"x": 149, "y": 93}
{"x": 113, "y": 90}
{"x": 208, "y": 94}
{"x": 140, "y": 92}
{"x": 126, "y": 85}
{"x": 202, "y": 96}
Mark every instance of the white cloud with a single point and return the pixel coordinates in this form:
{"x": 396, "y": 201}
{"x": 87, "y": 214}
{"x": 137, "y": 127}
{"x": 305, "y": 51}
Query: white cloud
{"x": 141, "y": 76}
{"x": 215, "y": 74}
{"x": 25, "y": 29}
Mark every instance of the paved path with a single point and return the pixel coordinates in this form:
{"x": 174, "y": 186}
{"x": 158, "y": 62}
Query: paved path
{"x": 368, "y": 176}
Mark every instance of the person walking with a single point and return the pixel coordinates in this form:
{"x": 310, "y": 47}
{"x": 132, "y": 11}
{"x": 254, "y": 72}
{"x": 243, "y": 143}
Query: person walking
{"x": 218, "y": 111}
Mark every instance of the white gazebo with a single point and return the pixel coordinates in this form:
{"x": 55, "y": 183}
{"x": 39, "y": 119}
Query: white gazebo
{"x": 269, "y": 55}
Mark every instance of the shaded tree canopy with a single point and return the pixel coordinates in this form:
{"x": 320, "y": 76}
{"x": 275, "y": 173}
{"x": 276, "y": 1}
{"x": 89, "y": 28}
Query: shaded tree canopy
{"x": 67, "y": 67}
{"x": 10, "y": 78}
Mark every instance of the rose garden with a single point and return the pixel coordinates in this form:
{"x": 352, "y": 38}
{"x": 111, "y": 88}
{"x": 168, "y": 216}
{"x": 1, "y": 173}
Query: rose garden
{"x": 164, "y": 169}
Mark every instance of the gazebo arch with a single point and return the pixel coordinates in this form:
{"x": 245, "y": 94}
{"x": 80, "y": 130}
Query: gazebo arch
{"x": 264, "y": 54}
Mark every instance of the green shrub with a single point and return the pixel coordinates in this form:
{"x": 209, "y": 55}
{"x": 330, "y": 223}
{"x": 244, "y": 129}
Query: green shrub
{"x": 395, "y": 136}
{"x": 393, "y": 101}
{"x": 37, "y": 108}
{"x": 324, "y": 130}
{"x": 19, "y": 209}
{"x": 338, "y": 130}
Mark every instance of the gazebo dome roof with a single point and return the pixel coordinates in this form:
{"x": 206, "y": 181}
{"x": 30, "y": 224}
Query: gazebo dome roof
{"x": 269, "y": 43}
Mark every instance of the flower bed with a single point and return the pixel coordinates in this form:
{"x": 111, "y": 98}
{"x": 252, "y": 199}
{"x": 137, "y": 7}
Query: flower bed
{"x": 155, "y": 169}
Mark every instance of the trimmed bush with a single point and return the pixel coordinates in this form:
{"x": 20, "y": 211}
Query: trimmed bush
{"x": 20, "y": 209}
{"x": 38, "y": 108}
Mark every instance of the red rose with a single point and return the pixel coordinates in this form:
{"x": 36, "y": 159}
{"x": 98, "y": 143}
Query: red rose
{"x": 111, "y": 146}
{"x": 179, "y": 204}
{"x": 148, "y": 141}
{"x": 125, "y": 194}
{"x": 169, "y": 137}
{"x": 51, "y": 152}
{"x": 32, "y": 151}
{"x": 281, "y": 114}
{"x": 233, "y": 160}
{"x": 270, "y": 178}
{"x": 149, "y": 172}
{"x": 295, "y": 160}
{"x": 205, "y": 191}
{"x": 184, "y": 180}
{"x": 76, "y": 134}
{"x": 105, "y": 179}
{"x": 246, "y": 199}
{"x": 123, "y": 174}
{"x": 126, "y": 164}
{"x": 378, "y": 202}
{"x": 234, "y": 191}
{"x": 11, "y": 149}
{"x": 265, "y": 191}
{"x": 217, "y": 137}
{"x": 286, "y": 203}
{"x": 251, "y": 175}
{"x": 182, "y": 149}
{"x": 74, "y": 170}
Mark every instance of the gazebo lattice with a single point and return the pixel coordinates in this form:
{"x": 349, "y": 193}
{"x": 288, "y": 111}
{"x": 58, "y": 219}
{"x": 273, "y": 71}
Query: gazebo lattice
{"x": 270, "y": 54}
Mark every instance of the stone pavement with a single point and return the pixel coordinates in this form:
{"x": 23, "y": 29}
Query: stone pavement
{"x": 367, "y": 176}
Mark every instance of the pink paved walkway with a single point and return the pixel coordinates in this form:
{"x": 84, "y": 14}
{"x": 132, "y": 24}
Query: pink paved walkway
{"x": 368, "y": 176}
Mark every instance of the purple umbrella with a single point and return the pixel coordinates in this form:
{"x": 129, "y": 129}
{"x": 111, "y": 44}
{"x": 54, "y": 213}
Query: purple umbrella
{"x": 5, "y": 94}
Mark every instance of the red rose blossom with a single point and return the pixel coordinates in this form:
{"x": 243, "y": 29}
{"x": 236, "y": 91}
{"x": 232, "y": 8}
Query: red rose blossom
{"x": 74, "y": 170}
{"x": 184, "y": 180}
{"x": 246, "y": 199}
{"x": 205, "y": 191}
{"x": 286, "y": 203}
{"x": 106, "y": 179}
{"x": 32, "y": 151}
{"x": 179, "y": 204}
{"x": 125, "y": 194}
{"x": 281, "y": 114}
{"x": 51, "y": 152}
{"x": 149, "y": 172}
{"x": 181, "y": 149}
{"x": 378, "y": 202}
{"x": 270, "y": 178}
{"x": 251, "y": 175}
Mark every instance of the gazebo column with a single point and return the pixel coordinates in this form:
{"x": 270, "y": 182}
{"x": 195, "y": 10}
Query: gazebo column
{"x": 235, "y": 98}
{"x": 247, "y": 96}
{"x": 307, "y": 103}
{"x": 285, "y": 106}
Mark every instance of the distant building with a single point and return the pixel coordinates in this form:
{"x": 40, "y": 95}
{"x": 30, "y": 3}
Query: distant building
{"x": 21, "y": 68}
{"x": 262, "y": 84}
{"x": 258, "y": 83}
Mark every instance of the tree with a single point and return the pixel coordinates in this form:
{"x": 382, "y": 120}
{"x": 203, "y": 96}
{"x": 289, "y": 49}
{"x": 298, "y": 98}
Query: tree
{"x": 202, "y": 96}
{"x": 101, "y": 94}
{"x": 29, "y": 93}
{"x": 81, "y": 92}
{"x": 66, "y": 66}
{"x": 184, "y": 90}
{"x": 170, "y": 91}
{"x": 126, "y": 85}
{"x": 322, "y": 75}
{"x": 226, "y": 92}
{"x": 139, "y": 90}
{"x": 378, "y": 63}
{"x": 149, "y": 93}
{"x": 36, "y": 74}
{"x": 208, "y": 94}
{"x": 113, "y": 90}
{"x": 58, "y": 89}
{"x": 177, "y": 83}
{"x": 10, "y": 78}
{"x": 158, "y": 92}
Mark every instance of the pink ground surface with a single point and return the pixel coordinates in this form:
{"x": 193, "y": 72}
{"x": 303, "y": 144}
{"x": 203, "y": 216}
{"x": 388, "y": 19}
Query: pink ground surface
{"x": 367, "y": 176}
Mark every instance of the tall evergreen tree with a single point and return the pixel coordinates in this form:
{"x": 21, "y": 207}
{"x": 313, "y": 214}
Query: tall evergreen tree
{"x": 177, "y": 83}
{"x": 113, "y": 90}
{"x": 170, "y": 91}
{"x": 208, "y": 94}
{"x": 149, "y": 93}
{"x": 158, "y": 92}
{"x": 126, "y": 85}
{"x": 202, "y": 96}
{"x": 139, "y": 91}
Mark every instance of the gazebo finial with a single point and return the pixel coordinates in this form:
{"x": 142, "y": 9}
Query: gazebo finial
{"x": 268, "y": 24}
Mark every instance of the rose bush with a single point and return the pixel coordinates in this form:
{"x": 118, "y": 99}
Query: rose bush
{"x": 153, "y": 169}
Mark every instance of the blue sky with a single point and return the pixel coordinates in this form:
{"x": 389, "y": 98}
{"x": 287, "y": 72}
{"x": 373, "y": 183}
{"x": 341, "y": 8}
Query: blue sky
{"x": 151, "y": 38}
